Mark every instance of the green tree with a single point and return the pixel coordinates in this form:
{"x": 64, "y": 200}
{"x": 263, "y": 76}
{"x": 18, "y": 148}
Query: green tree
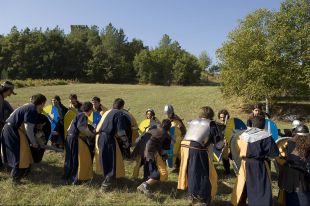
{"x": 204, "y": 60}
{"x": 186, "y": 70}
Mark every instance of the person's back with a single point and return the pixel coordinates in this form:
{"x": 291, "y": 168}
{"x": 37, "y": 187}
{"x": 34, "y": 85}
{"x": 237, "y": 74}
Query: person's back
{"x": 156, "y": 142}
{"x": 256, "y": 147}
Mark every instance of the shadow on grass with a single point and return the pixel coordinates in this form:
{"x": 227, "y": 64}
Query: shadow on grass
{"x": 46, "y": 173}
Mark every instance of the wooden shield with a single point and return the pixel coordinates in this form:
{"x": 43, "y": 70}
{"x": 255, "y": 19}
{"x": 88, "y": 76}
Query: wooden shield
{"x": 53, "y": 116}
{"x": 272, "y": 128}
{"x": 231, "y": 125}
{"x": 69, "y": 116}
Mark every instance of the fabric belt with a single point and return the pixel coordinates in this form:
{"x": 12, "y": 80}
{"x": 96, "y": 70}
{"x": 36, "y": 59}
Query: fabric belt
{"x": 195, "y": 148}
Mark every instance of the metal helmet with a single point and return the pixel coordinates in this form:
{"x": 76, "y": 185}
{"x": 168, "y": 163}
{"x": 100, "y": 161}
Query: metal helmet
{"x": 168, "y": 109}
{"x": 296, "y": 123}
{"x": 302, "y": 130}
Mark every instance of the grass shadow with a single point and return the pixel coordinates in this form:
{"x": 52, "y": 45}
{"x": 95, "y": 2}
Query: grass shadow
{"x": 46, "y": 173}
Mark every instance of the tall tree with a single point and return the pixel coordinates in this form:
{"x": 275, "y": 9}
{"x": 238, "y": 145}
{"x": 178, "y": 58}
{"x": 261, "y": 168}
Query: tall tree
{"x": 204, "y": 60}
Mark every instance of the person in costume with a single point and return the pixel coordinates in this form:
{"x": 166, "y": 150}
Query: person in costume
{"x": 75, "y": 104}
{"x": 223, "y": 116}
{"x": 150, "y": 114}
{"x": 197, "y": 172}
{"x": 256, "y": 110}
{"x": 154, "y": 155}
{"x": 18, "y": 136}
{"x": 294, "y": 176}
{"x": 57, "y": 137}
{"x": 113, "y": 140}
{"x": 98, "y": 107}
{"x": 179, "y": 132}
{"x": 253, "y": 182}
{"x": 79, "y": 148}
{"x": 6, "y": 90}
{"x": 144, "y": 126}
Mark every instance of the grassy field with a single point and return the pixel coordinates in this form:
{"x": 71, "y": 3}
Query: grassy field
{"x": 44, "y": 185}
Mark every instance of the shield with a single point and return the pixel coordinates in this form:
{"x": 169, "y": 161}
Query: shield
{"x": 69, "y": 116}
{"x": 234, "y": 150}
{"x": 233, "y": 124}
{"x": 94, "y": 119}
{"x": 279, "y": 161}
{"x": 146, "y": 124}
{"x": 51, "y": 112}
{"x": 170, "y": 151}
{"x": 272, "y": 128}
{"x": 140, "y": 145}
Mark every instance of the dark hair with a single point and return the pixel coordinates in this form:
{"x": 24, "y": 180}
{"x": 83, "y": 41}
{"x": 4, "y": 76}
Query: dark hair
{"x": 223, "y": 111}
{"x": 5, "y": 86}
{"x": 57, "y": 98}
{"x": 72, "y": 96}
{"x": 87, "y": 106}
{"x": 151, "y": 111}
{"x": 303, "y": 146}
{"x": 38, "y": 99}
{"x": 257, "y": 106}
{"x": 206, "y": 112}
{"x": 166, "y": 124}
{"x": 97, "y": 99}
{"x": 118, "y": 103}
{"x": 258, "y": 122}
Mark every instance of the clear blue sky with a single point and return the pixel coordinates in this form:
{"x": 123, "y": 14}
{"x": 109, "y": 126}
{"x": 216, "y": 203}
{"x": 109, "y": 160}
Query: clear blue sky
{"x": 196, "y": 24}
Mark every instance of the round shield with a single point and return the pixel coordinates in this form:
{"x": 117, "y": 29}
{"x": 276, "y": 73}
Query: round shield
{"x": 234, "y": 150}
{"x": 282, "y": 145}
{"x": 94, "y": 118}
{"x": 53, "y": 115}
{"x": 67, "y": 120}
{"x": 146, "y": 124}
{"x": 272, "y": 128}
{"x": 231, "y": 125}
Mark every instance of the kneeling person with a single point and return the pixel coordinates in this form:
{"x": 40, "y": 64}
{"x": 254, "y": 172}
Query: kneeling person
{"x": 154, "y": 166}
{"x": 79, "y": 148}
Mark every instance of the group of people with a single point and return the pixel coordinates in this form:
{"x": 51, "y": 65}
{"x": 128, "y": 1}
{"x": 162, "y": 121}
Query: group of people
{"x": 188, "y": 151}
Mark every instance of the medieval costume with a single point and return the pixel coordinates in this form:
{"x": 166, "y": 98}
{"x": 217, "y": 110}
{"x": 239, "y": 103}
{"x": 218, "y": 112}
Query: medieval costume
{"x": 225, "y": 151}
{"x": 153, "y": 156}
{"x": 197, "y": 172}
{"x": 79, "y": 148}
{"x": 6, "y": 89}
{"x": 58, "y": 136}
{"x": 114, "y": 130}
{"x": 294, "y": 176}
{"x": 254, "y": 180}
{"x": 15, "y": 143}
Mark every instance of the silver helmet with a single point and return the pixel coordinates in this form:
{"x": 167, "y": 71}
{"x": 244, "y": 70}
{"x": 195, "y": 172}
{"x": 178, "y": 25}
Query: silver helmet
{"x": 168, "y": 109}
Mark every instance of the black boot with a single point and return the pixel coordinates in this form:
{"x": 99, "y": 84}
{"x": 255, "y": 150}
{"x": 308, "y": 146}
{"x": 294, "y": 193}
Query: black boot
{"x": 226, "y": 165}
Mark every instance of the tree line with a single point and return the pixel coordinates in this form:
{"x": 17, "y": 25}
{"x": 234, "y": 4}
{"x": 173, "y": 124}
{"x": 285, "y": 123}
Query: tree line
{"x": 89, "y": 54}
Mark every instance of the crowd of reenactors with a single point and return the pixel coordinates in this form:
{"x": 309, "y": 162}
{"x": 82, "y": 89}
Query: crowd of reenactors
{"x": 156, "y": 145}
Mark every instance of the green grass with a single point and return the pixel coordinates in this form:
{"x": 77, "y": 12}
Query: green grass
{"x": 44, "y": 185}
